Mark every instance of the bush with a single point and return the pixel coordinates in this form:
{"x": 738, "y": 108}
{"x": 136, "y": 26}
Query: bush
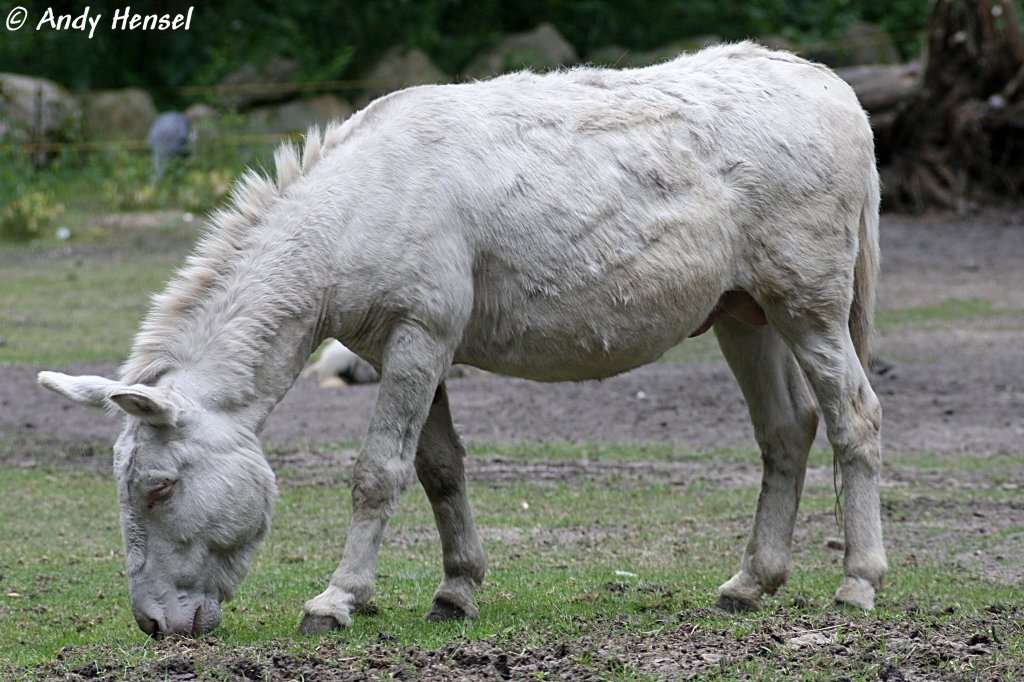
{"x": 30, "y": 215}
{"x": 28, "y": 206}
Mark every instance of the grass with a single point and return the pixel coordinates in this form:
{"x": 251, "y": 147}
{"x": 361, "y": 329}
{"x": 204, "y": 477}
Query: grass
{"x": 52, "y": 314}
{"x": 61, "y": 560}
{"x": 939, "y": 315}
{"x": 554, "y": 553}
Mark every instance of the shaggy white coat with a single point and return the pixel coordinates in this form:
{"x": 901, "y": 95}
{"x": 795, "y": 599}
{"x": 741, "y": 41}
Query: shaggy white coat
{"x": 564, "y": 226}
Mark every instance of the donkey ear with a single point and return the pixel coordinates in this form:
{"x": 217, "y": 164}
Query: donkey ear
{"x": 157, "y": 406}
{"x": 85, "y": 390}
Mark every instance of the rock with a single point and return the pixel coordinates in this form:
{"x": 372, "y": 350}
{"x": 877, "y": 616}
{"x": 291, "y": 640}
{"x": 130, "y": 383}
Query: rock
{"x": 612, "y": 56}
{"x": 542, "y": 48}
{"x": 860, "y": 43}
{"x": 203, "y": 119}
{"x": 835, "y": 544}
{"x": 275, "y": 81}
{"x": 36, "y": 108}
{"x": 298, "y": 116}
{"x": 776, "y": 42}
{"x": 118, "y": 114}
{"x": 400, "y": 67}
{"x": 200, "y": 112}
{"x": 813, "y": 639}
{"x": 621, "y": 57}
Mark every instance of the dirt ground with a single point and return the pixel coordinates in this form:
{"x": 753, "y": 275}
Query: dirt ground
{"x": 951, "y": 386}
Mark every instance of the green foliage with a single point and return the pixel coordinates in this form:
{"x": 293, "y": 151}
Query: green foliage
{"x": 122, "y": 178}
{"x": 28, "y": 205}
{"x": 28, "y": 215}
{"x": 247, "y": 32}
{"x": 198, "y": 182}
{"x": 340, "y": 40}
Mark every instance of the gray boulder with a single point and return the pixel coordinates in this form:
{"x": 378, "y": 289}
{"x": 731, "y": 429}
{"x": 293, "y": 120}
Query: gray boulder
{"x": 400, "y": 67}
{"x": 539, "y": 49}
{"x": 617, "y": 56}
{"x": 118, "y": 114}
{"x": 37, "y": 107}
{"x": 274, "y": 81}
{"x": 298, "y": 116}
{"x": 860, "y": 43}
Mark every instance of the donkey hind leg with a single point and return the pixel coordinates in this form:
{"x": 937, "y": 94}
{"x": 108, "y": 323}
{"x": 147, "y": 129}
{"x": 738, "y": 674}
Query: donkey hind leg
{"x": 414, "y": 364}
{"x": 785, "y": 420}
{"x": 853, "y": 419}
{"x": 439, "y": 465}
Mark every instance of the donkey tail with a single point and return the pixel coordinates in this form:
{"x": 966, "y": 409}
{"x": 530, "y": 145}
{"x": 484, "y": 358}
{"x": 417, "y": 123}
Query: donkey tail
{"x": 865, "y": 272}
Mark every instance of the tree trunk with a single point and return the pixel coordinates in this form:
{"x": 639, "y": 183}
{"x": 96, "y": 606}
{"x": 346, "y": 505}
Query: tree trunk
{"x": 962, "y": 131}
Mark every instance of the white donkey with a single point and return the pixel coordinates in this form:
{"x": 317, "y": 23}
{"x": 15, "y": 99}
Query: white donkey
{"x": 558, "y": 227}
{"x": 337, "y": 367}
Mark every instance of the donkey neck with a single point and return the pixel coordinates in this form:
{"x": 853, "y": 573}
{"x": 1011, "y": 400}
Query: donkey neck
{"x": 245, "y": 334}
{"x": 259, "y": 342}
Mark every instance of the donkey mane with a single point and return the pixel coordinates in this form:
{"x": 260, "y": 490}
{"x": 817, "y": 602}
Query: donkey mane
{"x": 231, "y": 231}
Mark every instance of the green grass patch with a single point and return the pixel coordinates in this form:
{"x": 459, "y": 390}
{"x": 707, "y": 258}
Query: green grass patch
{"x": 624, "y": 452}
{"x": 552, "y": 551}
{"x": 934, "y": 316}
{"x": 703, "y": 348}
{"x": 630, "y": 559}
{"x": 66, "y": 309}
{"x": 954, "y": 461}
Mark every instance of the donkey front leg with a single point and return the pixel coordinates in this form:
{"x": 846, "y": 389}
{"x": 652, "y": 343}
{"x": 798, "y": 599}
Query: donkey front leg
{"x": 439, "y": 465}
{"x": 785, "y": 419}
{"x": 413, "y": 366}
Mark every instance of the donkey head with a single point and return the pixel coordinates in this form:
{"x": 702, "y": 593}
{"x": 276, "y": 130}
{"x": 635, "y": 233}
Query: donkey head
{"x": 195, "y": 495}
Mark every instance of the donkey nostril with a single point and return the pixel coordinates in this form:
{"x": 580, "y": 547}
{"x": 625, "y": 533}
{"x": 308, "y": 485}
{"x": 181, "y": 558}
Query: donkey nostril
{"x": 197, "y": 628}
{"x": 148, "y": 625}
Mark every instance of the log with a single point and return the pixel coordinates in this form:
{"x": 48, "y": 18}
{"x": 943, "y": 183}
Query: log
{"x": 882, "y": 88}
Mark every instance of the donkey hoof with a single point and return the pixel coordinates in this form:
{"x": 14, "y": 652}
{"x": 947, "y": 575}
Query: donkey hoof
{"x": 319, "y": 625}
{"x": 855, "y": 593}
{"x": 739, "y": 593}
{"x": 735, "y": 604}
{"x": 446, "y": 610}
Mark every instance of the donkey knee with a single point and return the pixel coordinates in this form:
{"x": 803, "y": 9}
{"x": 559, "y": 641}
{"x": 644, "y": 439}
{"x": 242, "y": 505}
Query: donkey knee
{"x": 380, "y": 486}
{"x": 861, "y": 418}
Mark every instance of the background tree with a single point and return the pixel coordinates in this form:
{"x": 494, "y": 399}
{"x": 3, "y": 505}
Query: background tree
{"x": 963, "y": 132}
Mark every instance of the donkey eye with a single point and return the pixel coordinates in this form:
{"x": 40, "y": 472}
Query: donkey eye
{"x": 160, "y": 493}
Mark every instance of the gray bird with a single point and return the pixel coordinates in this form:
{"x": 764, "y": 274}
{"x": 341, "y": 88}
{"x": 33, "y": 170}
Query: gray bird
{"x": 169, "y": 136}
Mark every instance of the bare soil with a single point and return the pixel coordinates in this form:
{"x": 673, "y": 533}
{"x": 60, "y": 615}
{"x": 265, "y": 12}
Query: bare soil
{"x": 949, "y": 386}
{"x": 678, "y": 650}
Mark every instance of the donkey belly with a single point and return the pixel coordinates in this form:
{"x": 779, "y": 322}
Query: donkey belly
{"x": 578, "y": 334}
